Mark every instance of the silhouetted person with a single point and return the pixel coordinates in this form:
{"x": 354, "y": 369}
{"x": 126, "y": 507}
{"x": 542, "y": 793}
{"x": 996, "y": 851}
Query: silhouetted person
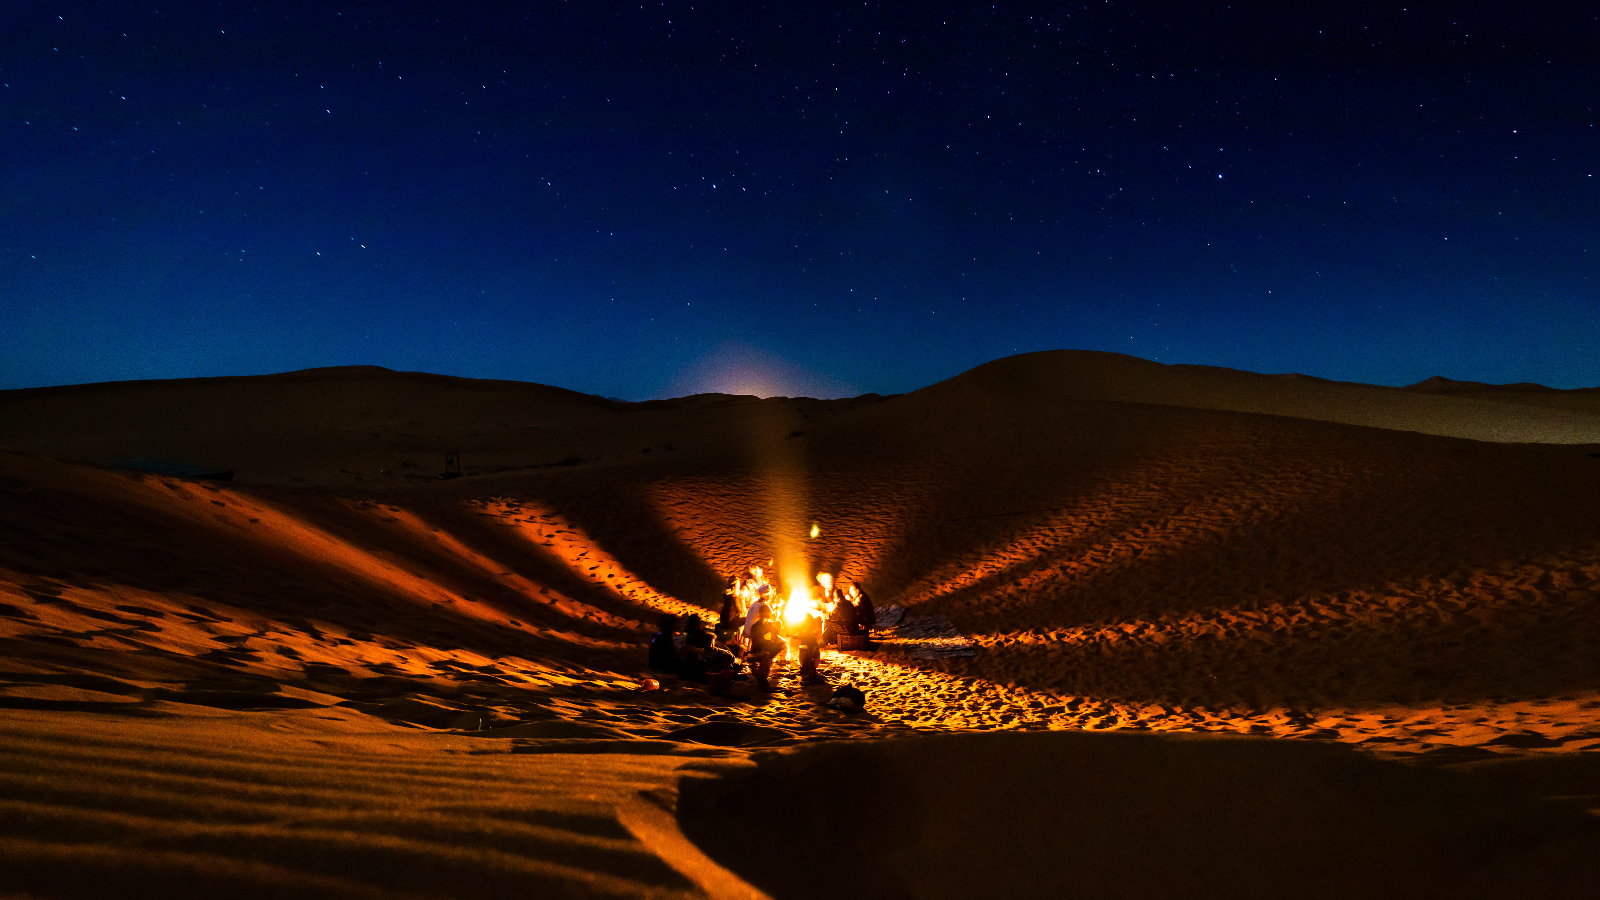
{"x": 808, "y": 647}
{"x": 721, "y": 667}
{"x": 842, "y": 620}
{"x": 728, "y": 619}
{"x": 692, "y": 625}
{"x": 765, "y": 645}
{"x": 866, "y": 613}
{"x": 694, "y": 659}
{"x": 664, "y": 646}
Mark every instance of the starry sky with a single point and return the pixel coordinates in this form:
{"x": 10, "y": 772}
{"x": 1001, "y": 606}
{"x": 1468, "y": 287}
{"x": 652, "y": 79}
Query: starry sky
{"x": 647, "y": 200}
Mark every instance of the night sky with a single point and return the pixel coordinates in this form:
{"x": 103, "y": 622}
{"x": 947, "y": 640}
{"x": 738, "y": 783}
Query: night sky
{"x": 805, "y": 198}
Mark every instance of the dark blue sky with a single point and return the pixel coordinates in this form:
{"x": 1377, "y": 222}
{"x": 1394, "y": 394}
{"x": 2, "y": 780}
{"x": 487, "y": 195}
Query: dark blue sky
{"x": 831, "y": 198}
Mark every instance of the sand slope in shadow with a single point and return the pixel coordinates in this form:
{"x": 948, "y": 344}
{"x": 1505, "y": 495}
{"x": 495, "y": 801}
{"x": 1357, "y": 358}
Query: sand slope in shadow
{"x": 1098, "y": 816}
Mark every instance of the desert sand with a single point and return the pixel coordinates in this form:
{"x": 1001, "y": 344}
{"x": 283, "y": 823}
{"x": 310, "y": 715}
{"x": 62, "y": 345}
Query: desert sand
{"x": 1167, "y": 631}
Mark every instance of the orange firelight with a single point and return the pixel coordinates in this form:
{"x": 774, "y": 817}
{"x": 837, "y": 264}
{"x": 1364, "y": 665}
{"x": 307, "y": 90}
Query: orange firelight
{"x": 799, "y": 605}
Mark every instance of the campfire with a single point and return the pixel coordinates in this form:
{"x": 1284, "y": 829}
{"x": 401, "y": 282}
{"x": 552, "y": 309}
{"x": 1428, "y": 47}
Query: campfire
{"x": 794, "y": 598}
{"x": 800, "y": 604}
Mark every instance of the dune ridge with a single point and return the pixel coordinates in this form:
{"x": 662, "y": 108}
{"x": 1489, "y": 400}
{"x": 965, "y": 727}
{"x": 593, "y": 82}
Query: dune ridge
{"x": 366, "y": 426}
{"x": 1510, "y": 413}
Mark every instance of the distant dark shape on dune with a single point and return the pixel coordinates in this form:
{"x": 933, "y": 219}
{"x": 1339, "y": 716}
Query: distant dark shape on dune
{"x": 1439, "y": 384}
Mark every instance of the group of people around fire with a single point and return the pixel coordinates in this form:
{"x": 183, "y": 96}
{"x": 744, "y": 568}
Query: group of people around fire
{"x": 759, "y": 624}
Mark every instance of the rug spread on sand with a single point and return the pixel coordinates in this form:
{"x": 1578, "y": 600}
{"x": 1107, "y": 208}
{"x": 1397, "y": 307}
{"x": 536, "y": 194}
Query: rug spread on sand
{"x": 925, "y": 637}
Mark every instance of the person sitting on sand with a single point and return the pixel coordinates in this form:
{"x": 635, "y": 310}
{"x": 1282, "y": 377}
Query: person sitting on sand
{"x": 729, "y": 618}
{"x": 830, "y": 593}
{"x": 842, "y": 620}
{"x": 692, "y": 625}
{"x": 866, "y": 613}
{"x": 721, "y": 667}
{"x": 808, "y": 646}
{"x": 765, "y": 645}
{"x": 693, "y": 662}
{"x": 760, "y": 605}
{"x": 754, "y": 579}
{"x": 664, "y": 646}
{"x": 719, "y": 658}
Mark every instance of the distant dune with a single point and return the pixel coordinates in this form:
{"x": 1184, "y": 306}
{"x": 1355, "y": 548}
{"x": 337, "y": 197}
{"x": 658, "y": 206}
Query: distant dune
{"x": 1346, "y": 637}
{"x": 1509, "y": 413}
{"x": 313, "y": 423}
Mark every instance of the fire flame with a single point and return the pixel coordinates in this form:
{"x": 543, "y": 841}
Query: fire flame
{"x": 799, "y": 605}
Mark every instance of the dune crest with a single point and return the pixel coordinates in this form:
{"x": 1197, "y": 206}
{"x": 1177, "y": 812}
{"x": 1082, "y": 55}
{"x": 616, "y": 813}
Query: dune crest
{"x": 1508, "y": 413}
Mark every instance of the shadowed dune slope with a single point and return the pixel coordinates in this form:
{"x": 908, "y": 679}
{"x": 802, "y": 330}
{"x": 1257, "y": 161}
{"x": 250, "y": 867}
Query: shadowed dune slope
{"x": 1079, "y": 815}
{"x": 1099, "y": 547}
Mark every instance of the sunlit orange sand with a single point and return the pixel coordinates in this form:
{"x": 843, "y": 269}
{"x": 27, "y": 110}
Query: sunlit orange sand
{"x": 341, "y": 676}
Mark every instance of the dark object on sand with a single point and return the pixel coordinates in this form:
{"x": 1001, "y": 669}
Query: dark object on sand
{"x": 452, "y": 466}
{"x": 854, "y": 641}
{"x": 174, "y": 469}
{"x": 848, "y": 698}
{"x": 663, "y": 649}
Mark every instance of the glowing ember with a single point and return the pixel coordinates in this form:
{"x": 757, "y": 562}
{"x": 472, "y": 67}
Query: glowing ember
{"x": 816, "y": 531}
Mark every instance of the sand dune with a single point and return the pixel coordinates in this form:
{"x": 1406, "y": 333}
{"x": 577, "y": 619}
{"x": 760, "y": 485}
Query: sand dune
{"x": 1482, "y": 412}
{"x": 395, "y": 685}
{"x": 298, "y": 427}
{"x": 369, "y": 427}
